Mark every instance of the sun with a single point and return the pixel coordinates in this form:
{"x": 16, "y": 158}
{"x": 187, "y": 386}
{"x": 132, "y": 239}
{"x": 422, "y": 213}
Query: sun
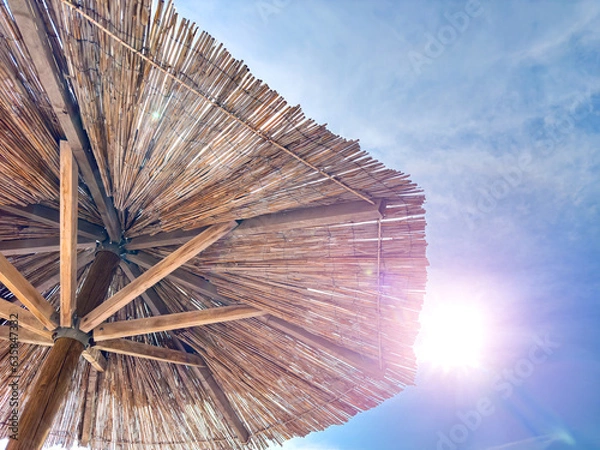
{"x": 451, "y": 337}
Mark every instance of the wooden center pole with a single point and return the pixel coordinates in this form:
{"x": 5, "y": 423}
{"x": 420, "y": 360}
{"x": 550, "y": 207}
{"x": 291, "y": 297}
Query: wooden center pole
{"x": 55, "y": 376}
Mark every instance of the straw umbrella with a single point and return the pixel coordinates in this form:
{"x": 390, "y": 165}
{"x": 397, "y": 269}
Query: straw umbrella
{"x": 232, "y": 273}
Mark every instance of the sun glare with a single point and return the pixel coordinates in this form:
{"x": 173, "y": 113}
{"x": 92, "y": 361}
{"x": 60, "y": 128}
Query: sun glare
{"x": 451, "y": 337}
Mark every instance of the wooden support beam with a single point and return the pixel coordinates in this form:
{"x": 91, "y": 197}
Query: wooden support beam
{"x": 150, "y": 296}
{"x": 26, "y": 319}
{"x": 44, "y": 245}
{"x": 27, "y": 294}
{"x": 281, "y": 221}
{"x": 178, "y": 237}
{"x": 156, "y": 273}
{"x": 89, "y": 410}
{"x": 48, "y": 216}
{"x": 181, "y": 276}
{"x": 354, "y": 359}
{"x": 218, "y": 396}
{"x": 316, "y": 216}
{"x": 25, "y": 336}
{"x": 28, "y": 16}
{"x": 131, "y": 348}
{"x": 95, "y": 358}
{"x": 57, "y": 371}
{"x": 176, "y": 321}
{"x": 211, "y": 385}
{"x": 68, "y": 234}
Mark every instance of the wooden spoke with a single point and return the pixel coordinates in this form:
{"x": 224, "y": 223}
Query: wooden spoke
{"x": 26, "y": 319}
{"x": 35, "y": 37}
{"x": 175, "y": 321}
{"x": 48, "y": 216}
{"x": 281, "y": 221}
{"x": 178, "y": 237}
{"x": 217, "y": 394}
{"x": 150, "y": 296}
{"x": 355, "y": 359}
{"x": 95, "y": 358}
{"x": 44, "y": 245}
{"x": 131, "y": 348}
{"x": 155, "y": 274}
{"x": 182, "y": 276}
{"x": 89, "y": 411}
{"x": 221, "y": 401}
{"x": 24, "y": 335}
{"x": 68, "y": 234}
{"x": 27, "y": 294}
{"x": 316, "y": 216}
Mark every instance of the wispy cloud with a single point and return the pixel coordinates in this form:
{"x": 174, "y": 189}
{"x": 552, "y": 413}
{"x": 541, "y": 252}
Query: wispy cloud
{"x": 536, "y": 443}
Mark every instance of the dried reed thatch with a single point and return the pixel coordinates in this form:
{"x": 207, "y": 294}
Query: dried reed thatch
{"x": 184, "y": 137}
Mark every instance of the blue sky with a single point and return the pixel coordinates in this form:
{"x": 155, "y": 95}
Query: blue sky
{"x": 494, "y": 109}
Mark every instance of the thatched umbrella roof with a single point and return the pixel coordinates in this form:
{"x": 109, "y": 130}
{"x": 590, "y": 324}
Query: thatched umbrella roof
{"x": 313, "y": 251}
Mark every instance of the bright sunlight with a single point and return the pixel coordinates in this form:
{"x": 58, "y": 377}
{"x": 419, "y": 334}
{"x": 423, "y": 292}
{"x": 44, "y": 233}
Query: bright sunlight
{"x": 452, "y": 337}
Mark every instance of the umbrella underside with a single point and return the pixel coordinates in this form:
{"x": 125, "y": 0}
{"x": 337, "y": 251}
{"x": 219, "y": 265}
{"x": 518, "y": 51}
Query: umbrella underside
{"x": 327, "y": 254}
